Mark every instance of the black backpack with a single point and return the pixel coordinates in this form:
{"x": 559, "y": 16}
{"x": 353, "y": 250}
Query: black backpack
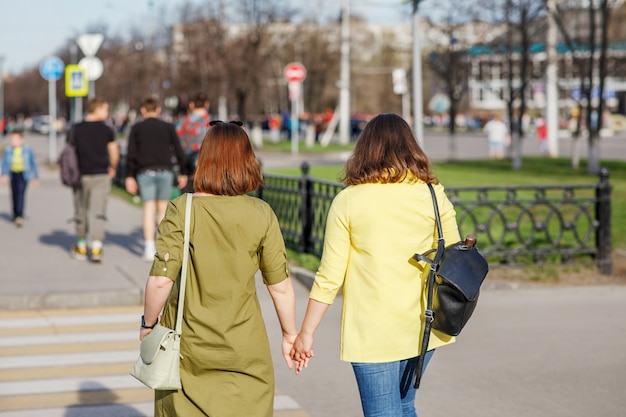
{"x": 68, "y": 163}
{"x": 456, "y": 274}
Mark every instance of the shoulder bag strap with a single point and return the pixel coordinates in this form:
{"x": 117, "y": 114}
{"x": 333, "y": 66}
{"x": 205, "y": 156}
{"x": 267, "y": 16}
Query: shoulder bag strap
{"x": 70, "y": 138}
{"x": 415, "y": 366}
{"x": 429, "y": 315}
{"x": 183, "y": 272}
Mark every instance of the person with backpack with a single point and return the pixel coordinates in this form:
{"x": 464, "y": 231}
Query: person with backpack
{"x": 375, "y": 225}
{"x": 18, "y": 168}
{"x": 153, "y": 149}
{"x": 98, "y": 155}
{"x": 191, "y": 130}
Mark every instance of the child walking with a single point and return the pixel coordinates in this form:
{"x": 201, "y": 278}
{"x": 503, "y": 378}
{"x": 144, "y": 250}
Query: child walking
{"x": 18, "y": 168}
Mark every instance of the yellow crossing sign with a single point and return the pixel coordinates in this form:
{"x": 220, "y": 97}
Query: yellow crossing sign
{"x": 76, "y": 83}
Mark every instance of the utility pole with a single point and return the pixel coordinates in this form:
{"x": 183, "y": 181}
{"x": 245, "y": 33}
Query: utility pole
{"x": 2, "y": 95}
{"x": 344, "y": 81}
{"x": 552, "y": 91}
{"x": 418, "y": 125}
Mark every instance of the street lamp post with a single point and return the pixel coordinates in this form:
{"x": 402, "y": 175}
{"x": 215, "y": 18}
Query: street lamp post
{"x": 344, "y": 81}
{"x": 552, "y": 91}
{"x": 418, "y": 125}
{"x": 2, "y": 93}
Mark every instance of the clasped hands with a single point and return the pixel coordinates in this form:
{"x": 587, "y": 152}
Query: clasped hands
{"x": 298, "y": 350}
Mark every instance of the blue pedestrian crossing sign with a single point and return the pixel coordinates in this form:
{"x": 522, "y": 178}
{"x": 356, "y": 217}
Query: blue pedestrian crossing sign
{"x": 51, "y": 68}
{"x": 76, "y": 83}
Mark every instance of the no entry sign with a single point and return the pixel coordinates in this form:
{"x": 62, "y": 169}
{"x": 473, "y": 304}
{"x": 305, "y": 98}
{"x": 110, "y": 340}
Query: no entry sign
{"x": 295, "y": 72}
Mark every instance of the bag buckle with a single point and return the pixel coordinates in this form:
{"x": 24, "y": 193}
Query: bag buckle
{"x": 429, "y": 315}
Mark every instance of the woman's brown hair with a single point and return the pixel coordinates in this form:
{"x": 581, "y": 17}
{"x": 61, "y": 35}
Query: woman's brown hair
{"x": 386, "y": 152}
{"x": 227, "y": 164}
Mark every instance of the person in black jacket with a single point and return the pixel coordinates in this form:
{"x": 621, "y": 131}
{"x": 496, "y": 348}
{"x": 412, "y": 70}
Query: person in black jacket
{"x": 154, "y": 151}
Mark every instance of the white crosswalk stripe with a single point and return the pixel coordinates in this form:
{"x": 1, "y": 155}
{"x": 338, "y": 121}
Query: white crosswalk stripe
{"x": 70, "y": 363}
{"x": 35, "y": 361}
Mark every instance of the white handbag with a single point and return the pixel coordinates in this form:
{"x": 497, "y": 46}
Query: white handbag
{"x": 158, "y": 365}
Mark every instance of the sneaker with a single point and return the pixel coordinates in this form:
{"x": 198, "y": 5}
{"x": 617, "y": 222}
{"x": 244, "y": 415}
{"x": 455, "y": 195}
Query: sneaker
{"x": 148, "y": 254}
{"x": 18, "y": 222}
{"x": 78, "y": 252}
{"x": 96, "y": 255}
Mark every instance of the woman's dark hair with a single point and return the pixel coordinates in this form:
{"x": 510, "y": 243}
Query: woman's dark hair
{"x": 386, "y": 152}
{"x": 227, "y": 164}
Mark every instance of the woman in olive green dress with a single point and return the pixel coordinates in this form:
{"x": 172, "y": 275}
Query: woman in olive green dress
{"x": 226, "y": 366}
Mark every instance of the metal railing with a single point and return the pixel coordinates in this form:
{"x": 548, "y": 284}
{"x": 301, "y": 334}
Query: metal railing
{"x": 513, "y": 224}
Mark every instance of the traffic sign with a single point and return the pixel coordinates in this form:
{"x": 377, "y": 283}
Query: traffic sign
{"x": 398, "y": 76}
{"x": 89, "y": 43}
{"x": 51, "y": 68}
{"x": 295, "y": 72}
{"x": 93, "y": 67}
{"x": 76, "y": 84}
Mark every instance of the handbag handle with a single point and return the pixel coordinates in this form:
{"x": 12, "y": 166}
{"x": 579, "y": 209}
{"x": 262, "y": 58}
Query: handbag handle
{"x": 183, "y": 272}
{"x": 415, "y": 366}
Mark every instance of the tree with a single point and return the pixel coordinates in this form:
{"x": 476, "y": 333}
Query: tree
{"x": 198, "y": 52}
{"x": 449, "y": 62}
{"x": 590, "y": 63}
{"x": 519, "y": 16}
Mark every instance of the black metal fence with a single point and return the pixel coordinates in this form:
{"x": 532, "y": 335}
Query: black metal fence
{"x": 513, "y": 224}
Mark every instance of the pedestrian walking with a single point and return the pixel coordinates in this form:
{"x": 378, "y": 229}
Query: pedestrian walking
{"x": 226, "y": 365}
{"x": 98, "y": 156}
{"x": 497, "y": 136}
{"x": 153, "y": 152}
{"x": 375, "y": 225}
{"x": 542, "y": 136}
{"x": 191, "y": 130}
{"x": 18, "y": 168}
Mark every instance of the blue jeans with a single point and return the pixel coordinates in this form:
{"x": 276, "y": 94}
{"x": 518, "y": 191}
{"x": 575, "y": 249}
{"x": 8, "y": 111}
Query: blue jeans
{"x": 18, "y": 190}
{"x": 379, "y": 386}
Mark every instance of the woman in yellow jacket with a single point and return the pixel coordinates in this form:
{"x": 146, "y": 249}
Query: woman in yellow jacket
{"x": 375, "y": 225}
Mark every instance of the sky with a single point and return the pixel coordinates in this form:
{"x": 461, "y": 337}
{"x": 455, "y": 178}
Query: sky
{"x": 32, "y": 30}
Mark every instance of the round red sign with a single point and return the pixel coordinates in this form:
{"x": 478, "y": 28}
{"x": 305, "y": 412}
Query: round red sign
{"x": 295, "y": 72}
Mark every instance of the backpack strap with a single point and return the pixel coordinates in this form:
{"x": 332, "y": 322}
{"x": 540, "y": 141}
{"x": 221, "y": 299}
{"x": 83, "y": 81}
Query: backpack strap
{"x": 415, "y": 366}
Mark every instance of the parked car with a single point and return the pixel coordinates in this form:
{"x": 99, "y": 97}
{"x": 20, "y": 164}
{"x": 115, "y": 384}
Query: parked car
{"x": 41, "y": 124}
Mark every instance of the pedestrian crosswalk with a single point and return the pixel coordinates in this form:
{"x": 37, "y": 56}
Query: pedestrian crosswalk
{"x": 71, "y": 363}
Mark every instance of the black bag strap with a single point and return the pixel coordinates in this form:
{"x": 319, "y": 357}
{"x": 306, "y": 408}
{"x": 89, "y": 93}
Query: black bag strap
{"x": 415, "y": 366}
{"x": 70, "y": 137}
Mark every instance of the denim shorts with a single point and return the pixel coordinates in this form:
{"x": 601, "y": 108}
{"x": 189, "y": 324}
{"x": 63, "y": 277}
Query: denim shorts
{"x": 155, "y": 184}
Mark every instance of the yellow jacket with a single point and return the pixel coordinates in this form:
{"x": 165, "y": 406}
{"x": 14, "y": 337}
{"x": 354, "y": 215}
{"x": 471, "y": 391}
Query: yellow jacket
{"x": 372, "y": 232}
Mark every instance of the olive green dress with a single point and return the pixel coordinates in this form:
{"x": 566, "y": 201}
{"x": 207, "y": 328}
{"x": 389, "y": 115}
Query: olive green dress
{"x": 226, "y": 367}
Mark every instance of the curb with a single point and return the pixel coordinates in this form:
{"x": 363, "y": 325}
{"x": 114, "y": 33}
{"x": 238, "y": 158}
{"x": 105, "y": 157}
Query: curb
{"x": 305, "y": 276}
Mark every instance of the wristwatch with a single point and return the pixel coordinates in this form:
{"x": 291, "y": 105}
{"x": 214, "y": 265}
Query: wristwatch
{"x": 144, "y": 326}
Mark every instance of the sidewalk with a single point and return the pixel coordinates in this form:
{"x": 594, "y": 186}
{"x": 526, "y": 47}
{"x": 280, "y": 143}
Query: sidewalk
{"x": 36, "y": 269}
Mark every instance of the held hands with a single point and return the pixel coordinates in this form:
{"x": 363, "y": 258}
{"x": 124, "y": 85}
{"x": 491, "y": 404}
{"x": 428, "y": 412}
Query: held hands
{"x": 287, "y": 346}
{"x": 302, "y": 351}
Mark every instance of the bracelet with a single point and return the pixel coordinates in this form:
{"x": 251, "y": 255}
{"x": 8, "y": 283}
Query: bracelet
{"x": 143, "y": 323}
